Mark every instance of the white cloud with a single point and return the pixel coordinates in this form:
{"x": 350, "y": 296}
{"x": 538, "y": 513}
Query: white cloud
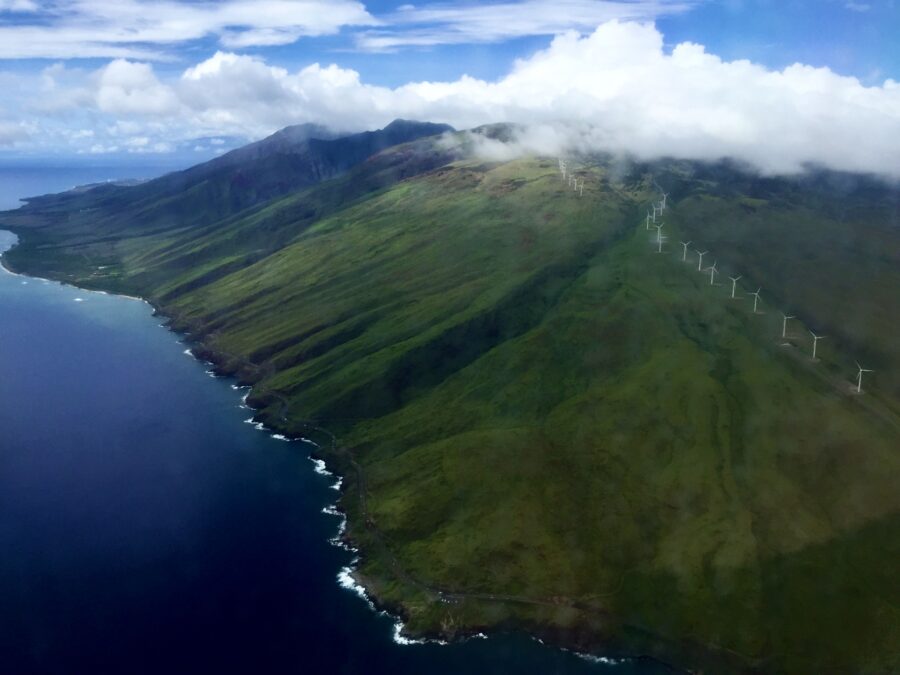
{"x": 153, "y": 29}
{"x": 12, "y": 133}
{"x": 616, "y": 89}
{"x": 143, "y": 29}
{"x": 18, "y": 6}
{"x": 459, "y": 23}
{"x": 126, "y": 88}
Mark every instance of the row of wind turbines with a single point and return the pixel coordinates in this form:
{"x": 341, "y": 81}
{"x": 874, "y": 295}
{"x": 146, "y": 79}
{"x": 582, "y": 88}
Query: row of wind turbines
{"x": 658, "y": 209}
{"x": 573, "y": 181}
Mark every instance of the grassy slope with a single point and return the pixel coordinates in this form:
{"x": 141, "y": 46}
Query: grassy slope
{"x": 546, "y": 409}
{"x": 827, "y": 250}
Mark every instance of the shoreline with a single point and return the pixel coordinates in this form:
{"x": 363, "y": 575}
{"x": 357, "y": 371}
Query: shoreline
{"x": 347, "y": 577}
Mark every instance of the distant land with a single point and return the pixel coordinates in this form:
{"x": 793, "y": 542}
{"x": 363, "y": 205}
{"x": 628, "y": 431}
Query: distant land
{"x": 21, "y": 180}
{"x": 543, "y": 423}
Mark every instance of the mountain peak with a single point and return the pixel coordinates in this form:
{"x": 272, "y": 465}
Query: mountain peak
{"x": 403, "y": 126}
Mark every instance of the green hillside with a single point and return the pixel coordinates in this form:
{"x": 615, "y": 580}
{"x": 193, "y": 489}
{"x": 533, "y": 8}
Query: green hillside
{"x": 544, "y": 424}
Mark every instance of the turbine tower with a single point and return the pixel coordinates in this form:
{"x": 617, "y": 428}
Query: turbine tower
{"x": 665, "y": 195}
{"x": 784, "y": 324}
{"x": 816, "y": 339}
{"x": 713, "y": 271}
{"x": 755, "y": 295}
{"x": 700, "y": 262}
{"x": 659, "y": 232}
{"x": 685, "y": 244}
{"x": 648, "y": 220}
{"x": 734, "y": 281}
{"x": 859, "y": 377}
{"x": 581, "y": 189}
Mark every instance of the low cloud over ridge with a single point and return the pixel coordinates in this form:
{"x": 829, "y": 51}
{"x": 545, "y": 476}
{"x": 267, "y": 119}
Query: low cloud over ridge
{"x": 616, "y": 89}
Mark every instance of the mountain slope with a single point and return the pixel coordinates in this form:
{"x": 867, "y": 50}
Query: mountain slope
{"x": 542, "y": 422}
{"x": 113, "y": 254}
{"x": 283, "y": 163}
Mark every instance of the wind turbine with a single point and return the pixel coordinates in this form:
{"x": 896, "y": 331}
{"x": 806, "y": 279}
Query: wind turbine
{"x": 734, "y": 281}
{"x": 575, "y": 185}
{"x": 784, "y": 324}
{"x": 659, "y": 232}
{"x": 700, "y": 262}
{"x": 581, "y": 189}
{"x": 816, "y": 339}
{"x": 859, "y": 377}
{"x": 713, "y": 271}
{"x": 654, "y": 213}
{"x": 648, "y": 220}
{"x": 665, "y": 195}
{"x": 755, "y": 295}
{"x": 685, "y": 244}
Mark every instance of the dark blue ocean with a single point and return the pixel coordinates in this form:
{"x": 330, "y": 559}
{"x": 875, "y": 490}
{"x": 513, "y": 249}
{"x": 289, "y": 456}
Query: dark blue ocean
{"x": 146, "y": 528}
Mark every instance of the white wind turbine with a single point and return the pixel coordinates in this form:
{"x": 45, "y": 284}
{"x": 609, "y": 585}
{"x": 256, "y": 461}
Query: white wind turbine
{"x": 654, "y": 213}
{"x": 784, "y": 324}
{"x": 685, "y": 244}
{"x": 581, "y": 189}
{"x": 859, "y": 377}
{"x": 665, "y": 196}
{"x": 755, "y": 295}
{"x": 659, "y": 232}
{"x": 700, "y": 262}
{"x": 734, "y": 281}
{"x": 816, "y": 339}
{"x": 648, "y": 220}
{"x": 713, "y": 271}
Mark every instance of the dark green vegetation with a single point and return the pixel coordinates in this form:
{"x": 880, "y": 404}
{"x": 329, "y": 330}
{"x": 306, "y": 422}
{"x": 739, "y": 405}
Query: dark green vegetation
{"x": 545, "y": 424}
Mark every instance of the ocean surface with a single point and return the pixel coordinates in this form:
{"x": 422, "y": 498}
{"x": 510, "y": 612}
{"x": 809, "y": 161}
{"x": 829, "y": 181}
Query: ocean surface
{"x": 146, "y": 527}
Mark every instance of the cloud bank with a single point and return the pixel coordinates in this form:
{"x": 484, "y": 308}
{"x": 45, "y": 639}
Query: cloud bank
{"x": 617, "y": 89}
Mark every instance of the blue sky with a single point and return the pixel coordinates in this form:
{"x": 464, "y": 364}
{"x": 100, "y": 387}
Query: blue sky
{"x": 164, "y": 77}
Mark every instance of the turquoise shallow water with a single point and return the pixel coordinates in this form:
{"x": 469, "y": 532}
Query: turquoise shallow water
{"x": 146, "y": 527}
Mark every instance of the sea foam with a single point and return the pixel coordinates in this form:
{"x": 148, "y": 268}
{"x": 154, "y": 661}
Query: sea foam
{"x": 345, "y": 580}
